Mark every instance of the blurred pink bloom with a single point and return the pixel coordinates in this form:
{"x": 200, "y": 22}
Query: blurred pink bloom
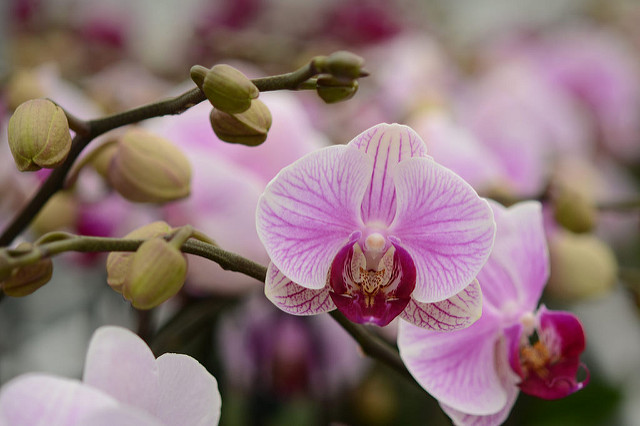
{"x": 375, "y": 229}
{"x": 227, "y": 182}
{"x": 123, "y": 383}
{"x": 476, "y": 373}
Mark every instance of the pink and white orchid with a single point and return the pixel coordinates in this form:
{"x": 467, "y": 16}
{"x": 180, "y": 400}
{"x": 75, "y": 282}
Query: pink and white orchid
{"x": 376, "y": 229}
{"x": 123, "y": 384}
{"x": 476, "y": 373}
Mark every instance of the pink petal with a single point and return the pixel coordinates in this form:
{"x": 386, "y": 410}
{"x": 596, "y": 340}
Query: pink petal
{"x": 518, "y": 267}
{"x": 309, "y": 210}
{"x": 455, "y": 313}
{"x": 121, "y": 416}
{"x": 386, "y": 145}
{"x": 444, "y": 225}
{"x": 121, "y": 364}
{"x": 458, "y": 367}
{"x": 39, "y": 399}
{"x": 293, "y": 298}
{"x": 188, "y": 392}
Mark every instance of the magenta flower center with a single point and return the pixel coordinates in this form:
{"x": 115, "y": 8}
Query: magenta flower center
{"x": 372, "y": 281}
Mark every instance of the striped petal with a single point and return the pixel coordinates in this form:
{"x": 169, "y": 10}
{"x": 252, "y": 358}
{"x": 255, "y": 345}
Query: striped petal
{"x": 293, "y": 298}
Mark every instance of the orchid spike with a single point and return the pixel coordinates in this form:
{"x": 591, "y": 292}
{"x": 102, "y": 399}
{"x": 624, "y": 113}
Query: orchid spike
{"x": 376, "y": 229}
{"x": 477, "y": 373}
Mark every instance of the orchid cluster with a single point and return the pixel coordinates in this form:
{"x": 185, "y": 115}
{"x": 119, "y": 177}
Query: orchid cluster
{"x": 266, "y": 219}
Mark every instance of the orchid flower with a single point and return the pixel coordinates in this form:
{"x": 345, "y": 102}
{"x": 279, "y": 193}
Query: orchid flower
{"x": 477, "y": 373}
{"x": 123, "y": 384}
{"x": 377, "y": 230}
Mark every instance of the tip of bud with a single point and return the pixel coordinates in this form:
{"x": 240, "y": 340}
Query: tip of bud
{"x": 25, "y": 280}
{"x": 39, "y": 135}
{"x": 332, "y": 89}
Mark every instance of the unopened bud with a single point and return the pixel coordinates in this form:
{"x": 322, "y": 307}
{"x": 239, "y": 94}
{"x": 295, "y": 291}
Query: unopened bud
{"x": 344, "y": 65}
{"x": 60, "y": 212}
{"x": 227, "y": 88}
{"x": 149, "y": 169}
{"x": 247, "y": 128}
{"x": 158, "y": 272}
{"x": 39, "y": 135}
{"x": 574, "y": 211}
{"x": 333, "y": 90}
{"x": 102, "y": 156}
{"x": 25, "y": 280}
{"x": 582, "y": 267}
{"x": 119, "y": 263}
{"x": 198, "y": 74}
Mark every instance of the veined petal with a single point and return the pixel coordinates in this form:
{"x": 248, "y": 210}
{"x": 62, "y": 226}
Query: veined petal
{"x": 458, "y": 368}
{"x": 188, "y": 392}
{"x": 38, "y": 399}
{"x": 121, "y": 416}
{"x": 121, "y": 364}
{"x": 386, "y": 145}
{"x": 293, "y": 298}
{"x": 309, "y": 210}
{"x": 454, "y": 313}
{"x": 444, "y": 225}
{"x": 518, "y": 266}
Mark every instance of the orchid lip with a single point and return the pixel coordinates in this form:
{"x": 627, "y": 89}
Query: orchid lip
{"x": 373, "y": 285}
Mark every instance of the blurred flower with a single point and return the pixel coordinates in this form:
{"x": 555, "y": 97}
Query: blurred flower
{"x": 476, "y": 373}
{"x": 267, "y": 351}
{"x": 376, "y": 229}
{"x": 123, "y": 383}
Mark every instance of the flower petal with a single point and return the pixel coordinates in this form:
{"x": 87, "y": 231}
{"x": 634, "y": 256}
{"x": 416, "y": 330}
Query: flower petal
{"x": 309, "y": 210}
{"x": 293, "y": 298}
{"x": 38, "y": 399}
{"x": 444, "y": 225}
{"x": 458, "y": 367}
{"x": 121, "y": 416}
{"x": 188, "y": 392}
{"x": 454, "y": 313}
{"x": 386, "y": 145}
{"x": 518, "y": 266}
{"x": 121, "y": 364}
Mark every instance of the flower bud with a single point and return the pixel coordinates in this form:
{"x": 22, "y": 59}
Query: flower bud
{"x": 101, "y": 158}
{"x": 247, "y": 128}
{"x": 198, "y": 74}
{"x": 227, "y": 88}
{"x": 582, "y": 267}
{"x": 332, "y": 89}
{"x": 60, "y": 212}
{"x": 119, "y": 263}
{"x": 344, "y": 65}
{"x": 158, "y": 271}
{"x": 149, "y": 169}
{"x": 26, "y": 279}
{"x": 574, "y": 211}
{"x": 39, "y": 135}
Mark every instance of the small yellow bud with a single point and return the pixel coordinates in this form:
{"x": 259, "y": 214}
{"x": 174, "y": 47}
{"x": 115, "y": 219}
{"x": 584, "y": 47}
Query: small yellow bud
{"x": 574, "y": 211}
{"x": 227, "y": 88}
{"x": 149, "y": 169}
{"x": 101, "y": 158}
{"x": 198, "y": 74}
{"x": 247, "y": 128}
{"x": 119, "y": 263}
{"x": 582, "y": 267}
{"x": 25, "y": 280}
{"x": 344, "y": 65}
{"x": 332, "y": 89}
{"x": 39, "y": 135}
{"x": 158, "y": 271}
{"x": 60, "y": 212}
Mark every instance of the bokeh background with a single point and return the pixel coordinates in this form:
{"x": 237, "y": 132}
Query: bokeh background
{"x": 525, "y": 100}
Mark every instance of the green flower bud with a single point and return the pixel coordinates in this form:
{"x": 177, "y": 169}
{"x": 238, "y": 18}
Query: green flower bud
{"x": 149, "y": 169}
{"x": 332, "y": 89}
{"x": 157, "y": 273}
{"x": 25, "y": 280}
{"x": 344, "y": 65}
{"x": 60, "y": 212}
{"x": 198, "y": 74}
{"x": 574, "y": 211}
{"x": 39, "y": 135}
{"x": 119, "y": 263}
{"x": 228, "y": 89}
{"x": 247, "y": 128}
{"x": 582, "y": 267}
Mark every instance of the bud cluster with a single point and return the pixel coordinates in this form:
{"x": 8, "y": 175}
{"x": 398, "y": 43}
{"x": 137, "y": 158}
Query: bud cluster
{"x": 339, "y": 73}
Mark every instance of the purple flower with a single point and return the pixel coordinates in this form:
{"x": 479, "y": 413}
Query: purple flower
{"x": 476, "y": 373}
{"x": 123, "y": 384}
{"x": 376, "y": 229}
